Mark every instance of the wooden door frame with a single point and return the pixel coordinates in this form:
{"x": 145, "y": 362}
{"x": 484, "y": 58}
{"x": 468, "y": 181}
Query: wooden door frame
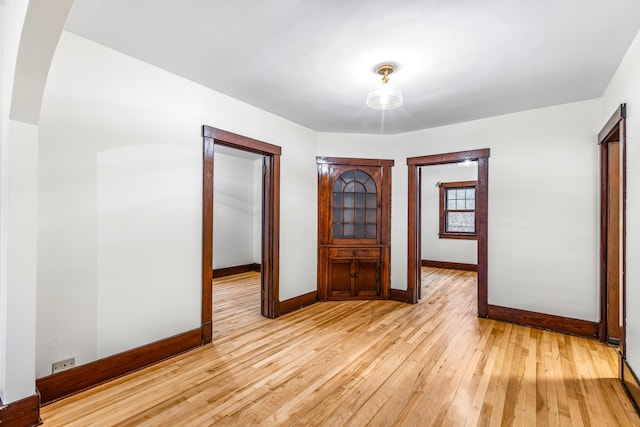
{"x": 482, "y": 201}
{"x": 613, "y": 130}
{"x": 270, "y": 303}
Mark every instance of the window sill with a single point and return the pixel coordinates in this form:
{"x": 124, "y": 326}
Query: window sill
{"x": 461, "y": 236}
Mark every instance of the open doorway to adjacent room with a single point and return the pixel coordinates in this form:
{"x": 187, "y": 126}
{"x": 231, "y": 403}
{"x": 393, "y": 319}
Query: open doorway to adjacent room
{"x": 480, "y": 204}
{"x": 448, "y": 222}
{"x": 243, "y": 226}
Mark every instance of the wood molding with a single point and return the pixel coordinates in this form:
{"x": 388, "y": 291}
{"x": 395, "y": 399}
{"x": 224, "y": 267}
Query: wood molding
{"x": 236, "y": 269}
{"x": 564, "y": 325}
{"x": 23, "y": 413}
{"x": 399, "y": 295}
{"x": 611, "y": 126}
{"x": 449, "y": 265}
{"x": 296, "y": 303}
{"x": 240, "y": 142}
{"x": 439, "y": 159}
{"x": 353, "y": 161}
{"x": 630, "y": 383}
{"x": 63, "y": 384}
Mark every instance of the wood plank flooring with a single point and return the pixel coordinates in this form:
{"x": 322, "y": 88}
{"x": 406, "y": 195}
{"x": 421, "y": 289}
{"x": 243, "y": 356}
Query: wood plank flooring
{"x": 365, "y": 363}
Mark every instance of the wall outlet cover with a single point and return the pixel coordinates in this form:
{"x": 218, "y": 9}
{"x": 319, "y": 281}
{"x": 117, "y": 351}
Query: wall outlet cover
{"x": 63, "y": 365}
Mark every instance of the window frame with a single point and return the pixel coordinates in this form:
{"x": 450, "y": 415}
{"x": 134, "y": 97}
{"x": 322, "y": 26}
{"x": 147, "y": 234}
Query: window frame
{"x": 444, "y": 186}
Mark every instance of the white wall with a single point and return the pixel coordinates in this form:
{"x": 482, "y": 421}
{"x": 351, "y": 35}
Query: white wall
{"x": 18, "y": 168}
{"x": 233, "y": 211}
{"x": 625, "y": 88}
{"x": 120, "y": 162}
{"x": 433, "y": 247}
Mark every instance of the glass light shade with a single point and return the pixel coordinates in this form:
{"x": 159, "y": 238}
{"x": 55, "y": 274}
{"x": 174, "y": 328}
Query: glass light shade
{"x": 384, "y": 96}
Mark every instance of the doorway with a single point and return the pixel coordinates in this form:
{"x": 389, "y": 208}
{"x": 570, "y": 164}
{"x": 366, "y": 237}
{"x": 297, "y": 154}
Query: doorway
{"x": 612, "y": 228}
{"x": 270, "y": 223}
{"x": 414, "y": 222}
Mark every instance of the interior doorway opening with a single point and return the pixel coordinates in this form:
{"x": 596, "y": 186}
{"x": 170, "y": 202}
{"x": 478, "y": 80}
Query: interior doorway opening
{"x": 448, "y": 221}
{"x": 269, "y": 218}
{"x": 612, "y": 141}
{"x": 414, "y": 219}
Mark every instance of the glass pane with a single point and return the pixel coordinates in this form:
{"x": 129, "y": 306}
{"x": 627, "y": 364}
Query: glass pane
{"x": 349, "y": 187}
{"x": 371, "y": 201}
{"x": 348, "y": 215}
{"x": 371, "y": 231}
{"x": 470, "y": 193}
{"x": 362, "y": 176}
{"x": 451, "y": 204}
{"x": 460, "y": 204}
{"x": 371, "y": 216}
{"x": 460, "y": 222}
{"x": 370, "y": 185}
{"x": 360, "y": 200}
{"x": 337, "y": 215}
{"x": 348, "y": 200}
{"x": 348, "y": 176}
{"x": 360, "y": 215}
{"x": 337, "y": 231}
{"x": 359, "y": 231}
{"x": 360, "y": 188}
{"x": 451, "y": 194}
{"x": 338, "y": 187}
{"x": 460, "y": 193}
{"x": 337, "y": 200}
{"x": 347, "y": 231}
{"x": 471, "y": 204}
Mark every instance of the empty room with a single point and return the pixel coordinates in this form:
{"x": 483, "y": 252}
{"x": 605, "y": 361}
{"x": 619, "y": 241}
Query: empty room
{"x": 319, "y": 213}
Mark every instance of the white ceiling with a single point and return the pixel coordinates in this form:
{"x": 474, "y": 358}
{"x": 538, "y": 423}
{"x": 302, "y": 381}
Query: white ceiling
{"x": 313, "y": 62}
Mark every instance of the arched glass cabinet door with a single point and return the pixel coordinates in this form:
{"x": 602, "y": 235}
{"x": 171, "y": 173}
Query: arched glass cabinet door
{"x": 354, "y": 212}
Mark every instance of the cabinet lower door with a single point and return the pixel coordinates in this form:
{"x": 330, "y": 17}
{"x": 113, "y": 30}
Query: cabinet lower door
{"x": 340, "y": 278}
{"x": 368, "y": 279}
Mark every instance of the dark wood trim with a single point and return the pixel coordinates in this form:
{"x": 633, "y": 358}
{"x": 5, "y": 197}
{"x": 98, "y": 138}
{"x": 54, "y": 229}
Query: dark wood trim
{"x": 240, "y": 142}
{"x": 22, "y": 413}
{"x": 564, "y": 325}
{"x": 353, "y": 161}
{"x": 399, "y": 295}
{"x": 439, "y": 159}
{"x": 207, "y": 240}
{"x": 449, "y": 265}
{"x": 611, "y": 126}
{"x": 270, "y": 262}
{"x": 296, "y": 303}
{"x": 236, "y": 269}
{"x": 482, "y": 201}
{"x": 613, "y": 131}
{"x": 63, "y": 384}
{"x": 630, "y": 383}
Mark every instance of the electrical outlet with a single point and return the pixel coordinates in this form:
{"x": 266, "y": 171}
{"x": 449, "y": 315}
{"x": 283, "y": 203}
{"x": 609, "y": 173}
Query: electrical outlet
{"x": 63, "y": 365}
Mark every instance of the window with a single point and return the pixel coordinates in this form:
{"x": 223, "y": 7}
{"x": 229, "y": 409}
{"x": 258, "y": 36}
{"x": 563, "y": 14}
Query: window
{"x": 458, "y": 210}
{"x": 355, "y": 206}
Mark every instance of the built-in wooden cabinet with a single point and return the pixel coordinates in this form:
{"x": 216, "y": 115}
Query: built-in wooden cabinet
{"x": 354, "y": 230}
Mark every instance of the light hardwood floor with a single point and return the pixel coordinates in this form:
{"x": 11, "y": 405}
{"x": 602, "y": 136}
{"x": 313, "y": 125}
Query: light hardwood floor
{"x": 377, "y": 363}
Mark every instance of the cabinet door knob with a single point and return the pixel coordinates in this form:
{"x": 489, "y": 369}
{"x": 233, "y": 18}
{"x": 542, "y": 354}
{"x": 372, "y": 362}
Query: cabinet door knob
{"x": 355, "y": 253}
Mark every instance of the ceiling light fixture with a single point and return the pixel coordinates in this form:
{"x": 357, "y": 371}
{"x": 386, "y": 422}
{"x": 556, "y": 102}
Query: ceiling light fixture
{"x": 385, "y": 96}
{"x": 467, "y": 163}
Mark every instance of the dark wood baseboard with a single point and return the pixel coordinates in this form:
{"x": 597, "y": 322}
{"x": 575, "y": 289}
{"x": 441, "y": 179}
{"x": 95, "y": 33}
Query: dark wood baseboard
{"x": 236, "y": 269}
{"x": 565, "y": 325}
{"x": 63, "y": 384}
{"x": 630, "y": 383}
{"x": 399, "y": 295}
{"x": 449, "y": 265}
{"x": 23, "y": 413}
{"x": 298, "y": 302}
